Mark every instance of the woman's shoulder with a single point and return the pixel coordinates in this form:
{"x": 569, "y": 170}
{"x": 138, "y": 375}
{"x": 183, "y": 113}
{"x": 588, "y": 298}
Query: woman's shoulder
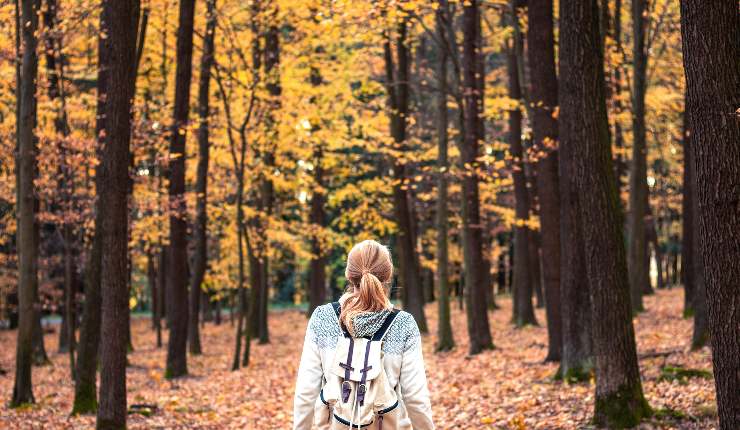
{"x": 402, "y": 335}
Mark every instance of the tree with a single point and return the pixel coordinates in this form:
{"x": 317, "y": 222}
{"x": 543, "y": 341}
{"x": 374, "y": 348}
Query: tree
{"x": 26, "y": 233}
{"x": 445, "y": 339}
{"x": 477, "y": 309}
{"x": 271, "y": 63}
{"x": 638, "y": 269}
{"x": 200, "y": 259}
{"x": 87, "y": 358}
{"x": 713, "y": 91}
{"x": 544, "y": 100}
{"x": 177, "y": 292}
{"x": 397, "y": 88}
{"x": 523, "y": 272}
{"x": 700, "y": 334}
{"x": 122, "y": 26}
{"x": 584, "y": 129}
{"x": 688, "y": 224}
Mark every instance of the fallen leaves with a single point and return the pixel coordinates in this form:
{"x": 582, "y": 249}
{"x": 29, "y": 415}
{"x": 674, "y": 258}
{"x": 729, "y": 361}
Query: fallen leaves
{"x": 508, "y": 388}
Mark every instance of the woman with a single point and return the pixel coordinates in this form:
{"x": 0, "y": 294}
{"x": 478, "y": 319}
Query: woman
{"x": 361, "y": 314}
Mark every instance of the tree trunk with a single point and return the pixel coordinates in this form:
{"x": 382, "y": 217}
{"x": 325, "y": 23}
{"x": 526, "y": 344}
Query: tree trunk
{"x": 151, "y": 280}
{"x": 688, "y": 254}
{"x": 712, "y": 103}
{"x": 87, "y": 359}
{"x": 317, "y": 217}
{"x": 477, "y": 311}
{"x": 621, "y": 164}
{"x": 544, "y": 98}
{"x": 700, "y": 335}
{"x": 523, "y": 272}
{"x": 177, "y": 293}
{"x": 161, "y": 309}
{"x": 397, "y": 86}
{"x": 200, "y": 259}
{"x": 585, "y": 130}
{"x": 445, "y": 340}
{"x": 26, "y": 236}
{"x": 121, "y": 40}
{"x": 638, "y": 269}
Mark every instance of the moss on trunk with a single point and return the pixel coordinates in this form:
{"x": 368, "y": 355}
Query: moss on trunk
{"x": 624, "y": 408}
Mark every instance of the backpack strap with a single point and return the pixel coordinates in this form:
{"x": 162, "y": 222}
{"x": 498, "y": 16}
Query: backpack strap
{"x": 338, "y": 310}
{"x": 380, "y": 334}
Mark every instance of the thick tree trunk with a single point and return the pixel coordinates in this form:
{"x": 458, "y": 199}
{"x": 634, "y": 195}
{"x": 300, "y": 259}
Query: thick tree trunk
{"x": 585, "y": 130}
{"x": 523, "y": 272}
{"x": 712, "y": 103}
{"x": 638, "y": 269}
{"x": 200, "y": 259}
{"x": 477, "y": 312}
{"x": 26, "y": 235}
{"x": 121, "y": 40}
{"x": 397, "y": 86}
{"x": 445, "y": 340}
{"x": 544, "y": 98}
{"x": 177, "y": 292}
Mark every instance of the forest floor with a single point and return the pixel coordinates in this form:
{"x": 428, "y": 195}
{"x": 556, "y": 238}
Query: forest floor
{"x": 508, "y": 388}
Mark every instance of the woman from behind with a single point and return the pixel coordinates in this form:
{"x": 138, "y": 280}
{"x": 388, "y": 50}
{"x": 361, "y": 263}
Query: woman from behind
{"x": 336, "y": 376}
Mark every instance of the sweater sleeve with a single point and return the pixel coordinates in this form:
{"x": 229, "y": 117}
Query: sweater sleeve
{"x": 309, "y": 380}
{"x": 413, "y": 383}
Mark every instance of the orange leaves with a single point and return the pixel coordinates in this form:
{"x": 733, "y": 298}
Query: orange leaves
{"x": 508, "y": 388}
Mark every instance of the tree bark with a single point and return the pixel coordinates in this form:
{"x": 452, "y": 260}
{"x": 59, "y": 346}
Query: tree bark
{"x": 477, "y": 310}
{"x": 177, "y": 292}
{"x": 620, "y": 163}
{"x": 87, "y": 359}
{"x": 523, "y": 272}
{"x": 26, "y": 236}
{"x": 317, "y": 217}
{"x": 544, "y": 97}
{"x": 122, "y": 25}
{"x": 689, "y": 227}
{"x": 445, "y": 340}
{"x": 585, "y": 130}
{"x": 712, "y": 64}
{"x": 700, "y": 334}
{"x": 638, "y": 269}
{"x": 161, "y": 309}
{"x": 200, "y": 259}
{"x": 397, "y": 86}
{"x": 274, "y": 89}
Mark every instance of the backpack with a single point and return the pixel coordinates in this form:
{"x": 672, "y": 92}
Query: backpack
{"x": 356, "y": 393}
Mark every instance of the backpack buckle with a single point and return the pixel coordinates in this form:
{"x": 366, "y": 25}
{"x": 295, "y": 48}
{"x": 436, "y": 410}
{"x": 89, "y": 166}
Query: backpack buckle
{"x": 346, "y": 390}
{"x": 361, "y": 390}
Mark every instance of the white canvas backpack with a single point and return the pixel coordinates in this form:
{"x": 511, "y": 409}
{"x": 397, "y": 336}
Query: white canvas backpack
{"x": 356, "y": 393}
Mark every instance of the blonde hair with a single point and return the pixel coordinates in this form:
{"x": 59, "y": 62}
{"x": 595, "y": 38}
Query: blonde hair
{"x": 369, "y": 270}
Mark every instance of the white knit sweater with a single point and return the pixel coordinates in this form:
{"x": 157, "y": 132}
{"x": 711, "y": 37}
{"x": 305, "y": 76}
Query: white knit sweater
{"x": 403, "y": 362}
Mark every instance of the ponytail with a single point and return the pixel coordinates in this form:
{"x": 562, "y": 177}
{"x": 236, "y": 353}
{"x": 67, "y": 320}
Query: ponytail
{"x": 369, "y": 267}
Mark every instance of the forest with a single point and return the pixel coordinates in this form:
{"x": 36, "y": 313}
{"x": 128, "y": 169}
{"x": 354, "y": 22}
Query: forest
{"x": 558, "y": 182}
